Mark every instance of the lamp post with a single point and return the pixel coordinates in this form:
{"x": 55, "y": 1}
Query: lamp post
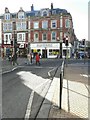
{"x": 84, "y": 50}
{"x": 66, "y": 43}
{"x": 61, "y": 48}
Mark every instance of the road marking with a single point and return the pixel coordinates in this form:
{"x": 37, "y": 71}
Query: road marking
{"x": 28, "y": 110}
{"x": 84, "y": 75}
{"x": 50, "y": 71}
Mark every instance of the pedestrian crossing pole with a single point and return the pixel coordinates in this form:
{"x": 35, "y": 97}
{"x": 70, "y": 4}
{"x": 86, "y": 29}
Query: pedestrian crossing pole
{"x": 60, "y": 100}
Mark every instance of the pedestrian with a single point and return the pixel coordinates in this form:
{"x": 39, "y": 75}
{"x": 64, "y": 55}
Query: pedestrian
{"x": 14, "y": 59}
{"x": 37, "y": 59}
{"x": 30, "y": 58}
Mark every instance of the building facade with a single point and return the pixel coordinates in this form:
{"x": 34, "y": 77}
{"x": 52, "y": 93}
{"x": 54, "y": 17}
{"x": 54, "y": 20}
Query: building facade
{"x": 40, "y": 31}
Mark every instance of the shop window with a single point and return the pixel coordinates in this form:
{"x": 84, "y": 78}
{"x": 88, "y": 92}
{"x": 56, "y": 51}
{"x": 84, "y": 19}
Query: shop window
{"x": 53, "y": 52}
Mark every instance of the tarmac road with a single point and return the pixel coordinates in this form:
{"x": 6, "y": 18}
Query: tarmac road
{"x": 19, "y": 85}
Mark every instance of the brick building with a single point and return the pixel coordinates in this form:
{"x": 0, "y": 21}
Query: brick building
{"x": 38, "y": 31}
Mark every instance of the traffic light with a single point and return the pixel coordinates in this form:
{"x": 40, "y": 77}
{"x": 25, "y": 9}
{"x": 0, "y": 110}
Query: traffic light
{"x": 64, "y": 39}
{"x": 11, "y": 42}
{"x": 66, "y": 43}
{"x": 83, "y": 42}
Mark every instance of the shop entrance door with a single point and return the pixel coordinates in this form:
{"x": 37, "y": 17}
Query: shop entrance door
{"x": 44, "y": 53}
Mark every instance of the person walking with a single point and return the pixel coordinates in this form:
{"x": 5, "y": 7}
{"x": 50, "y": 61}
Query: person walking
{"x": 14, "y": 59}
{"x": 30, "y": 58}
{"x": 37, "y": 59}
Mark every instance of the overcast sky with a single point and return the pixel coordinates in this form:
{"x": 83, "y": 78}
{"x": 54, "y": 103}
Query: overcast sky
{"x": 77, "y": 8}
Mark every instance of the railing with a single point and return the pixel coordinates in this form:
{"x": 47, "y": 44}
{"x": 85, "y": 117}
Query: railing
{"x": 61, "y": 83}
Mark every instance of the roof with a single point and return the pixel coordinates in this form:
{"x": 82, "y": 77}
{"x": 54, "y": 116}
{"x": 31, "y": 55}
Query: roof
{"x": 37, "y": 12}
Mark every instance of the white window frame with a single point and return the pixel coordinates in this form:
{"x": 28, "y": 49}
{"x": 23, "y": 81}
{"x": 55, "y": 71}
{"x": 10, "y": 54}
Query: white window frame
{"x": 44, "y": 24}
{"x": 67, "y": 23}
{"x": 52, "y": 36}
{"x": 45, "y": 13}
{"x": 36, "y": 25}
{"x": 53, "y": 21}
{"x": 21, "y": 25}
{"x": 23, "y": 37}
{"x": 7, "y": 16}
{"x": 21, "y": 15}
{"x": 9, "y": 36}
{"x": 7, "y": 26}
{"x": 36, "y": 39}
{"x": 43, "y": 36}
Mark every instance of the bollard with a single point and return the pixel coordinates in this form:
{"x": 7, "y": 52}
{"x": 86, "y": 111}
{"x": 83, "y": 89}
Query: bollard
{"x": 60, "y": 100}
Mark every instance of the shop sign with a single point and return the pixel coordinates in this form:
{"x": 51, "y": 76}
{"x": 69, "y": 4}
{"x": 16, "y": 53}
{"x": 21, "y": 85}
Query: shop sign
{"x": 21, "y": 46}
{"x": 45, "y": 45}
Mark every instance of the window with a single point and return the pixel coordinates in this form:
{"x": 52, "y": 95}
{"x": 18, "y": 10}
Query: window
{"x": 7, "y": 27}
{"x": 7, "y": 16}
{"x": 67, "y": 23}
{"x": 45, "y": 13}
{"x": 53, "y": 11}
{"x": 53, "y": 24}
{"x": 21, "y": 37}
{"x": 53, "y": 35}
{"x": 21, "y": 15}
{"x": 7, "y": 38}
{"x": 21, "y": 25}
{"x": 36, "y": 25}
{"x": 36, "y": 36}
{"x": 53, "y": 52}
{"x": 44, "y": 36}
{"x": 45, "y": 24}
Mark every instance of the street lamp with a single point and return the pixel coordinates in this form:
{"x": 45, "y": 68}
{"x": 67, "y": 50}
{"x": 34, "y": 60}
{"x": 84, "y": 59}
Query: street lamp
{"x": 61, "y": 48}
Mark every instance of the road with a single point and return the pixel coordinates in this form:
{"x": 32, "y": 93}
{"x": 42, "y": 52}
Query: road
{"x": 19, "y": 86}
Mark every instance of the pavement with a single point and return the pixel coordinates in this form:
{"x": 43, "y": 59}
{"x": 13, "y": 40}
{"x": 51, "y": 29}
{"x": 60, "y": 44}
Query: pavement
{"x": 75, "y": 93}
{"x": 8, "y": 67}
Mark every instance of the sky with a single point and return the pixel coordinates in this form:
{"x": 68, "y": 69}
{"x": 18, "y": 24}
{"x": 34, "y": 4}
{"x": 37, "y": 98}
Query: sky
{"x": 77, "y": 8}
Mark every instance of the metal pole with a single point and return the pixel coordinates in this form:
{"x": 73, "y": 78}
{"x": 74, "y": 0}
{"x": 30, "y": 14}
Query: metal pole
{"x": 60, "y": 91}
{"x": 61, "y": 49}
{"x": 84, "y": 53}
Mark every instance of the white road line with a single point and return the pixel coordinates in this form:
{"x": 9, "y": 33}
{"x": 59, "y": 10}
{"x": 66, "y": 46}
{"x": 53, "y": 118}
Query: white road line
{"x": 28, "y": 111}
{"x": 50, "y": 71}
{"x": 84, "y": 75}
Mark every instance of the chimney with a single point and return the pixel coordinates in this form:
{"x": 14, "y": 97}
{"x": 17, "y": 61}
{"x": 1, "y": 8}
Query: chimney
{"x": 51, "y": 6}
{"x": 32, "y": 8}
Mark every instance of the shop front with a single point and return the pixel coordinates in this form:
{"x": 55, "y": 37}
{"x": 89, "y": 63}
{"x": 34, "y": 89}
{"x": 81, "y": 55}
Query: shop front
{"x": 46, "y": 50}
{"x": 49, "y": 50}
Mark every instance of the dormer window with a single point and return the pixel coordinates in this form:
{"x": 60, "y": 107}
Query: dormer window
{"x": 21, "y": 14}
{"x": 45, "y": 13}
{"x": 7, "y": 16}
{"x": 53, "y": 11}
